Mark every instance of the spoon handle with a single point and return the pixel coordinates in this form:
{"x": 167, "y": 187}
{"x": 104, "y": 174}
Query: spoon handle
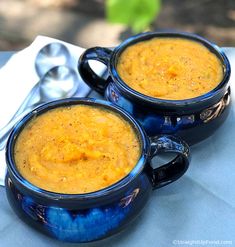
{"x": 25, "y": 103}
{"x": 22, "y": 110}
{"x": 5, "y": 131}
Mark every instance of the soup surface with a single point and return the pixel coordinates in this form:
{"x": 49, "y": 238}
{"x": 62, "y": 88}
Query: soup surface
{"x": 77, "y": 149}
{"x": 170, "y": 68}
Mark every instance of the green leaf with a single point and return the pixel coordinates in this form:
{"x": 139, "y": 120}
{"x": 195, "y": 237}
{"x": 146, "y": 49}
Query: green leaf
{"x": 138, "y": 14}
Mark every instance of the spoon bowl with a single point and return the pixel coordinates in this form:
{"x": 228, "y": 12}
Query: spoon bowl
{"x": 53, "y": 54}
{"x": 58, "y": 83}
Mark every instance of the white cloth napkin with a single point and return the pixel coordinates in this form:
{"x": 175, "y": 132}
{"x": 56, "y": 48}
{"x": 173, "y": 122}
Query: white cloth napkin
{"x": 18, "y": 76}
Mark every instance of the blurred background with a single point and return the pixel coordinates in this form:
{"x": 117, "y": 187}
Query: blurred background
{"x": 107, "y": 22}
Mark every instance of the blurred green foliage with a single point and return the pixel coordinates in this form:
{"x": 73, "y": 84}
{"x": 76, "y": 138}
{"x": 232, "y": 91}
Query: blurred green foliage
{"x": 137, "y": 14}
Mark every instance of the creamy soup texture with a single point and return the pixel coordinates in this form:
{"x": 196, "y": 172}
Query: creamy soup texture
{"x": 77, "y": 149}
{"x": 170, "y": 68}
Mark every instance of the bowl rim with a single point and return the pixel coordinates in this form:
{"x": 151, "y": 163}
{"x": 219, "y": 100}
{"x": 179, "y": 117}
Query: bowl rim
{"x": 165, "y": 102}
{"x": 138, "y": 168}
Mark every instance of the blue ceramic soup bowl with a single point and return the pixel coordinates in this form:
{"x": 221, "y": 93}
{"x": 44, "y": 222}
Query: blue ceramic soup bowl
{"x": 96, "y": 215}
{"x": 192, "y": 119}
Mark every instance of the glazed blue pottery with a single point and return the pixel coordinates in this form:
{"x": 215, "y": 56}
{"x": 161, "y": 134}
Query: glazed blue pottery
{"x": 96, "y": 215}
{"x": 192, "y": 119}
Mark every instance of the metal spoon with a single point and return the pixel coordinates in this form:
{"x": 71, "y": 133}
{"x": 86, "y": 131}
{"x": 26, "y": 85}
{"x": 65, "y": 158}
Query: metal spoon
{"x": 59, "y": 82}
{"x": 53, "y": 54}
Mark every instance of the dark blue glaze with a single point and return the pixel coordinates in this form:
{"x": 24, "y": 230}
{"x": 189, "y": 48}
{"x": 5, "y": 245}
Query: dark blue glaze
{"x": 193, "y": 126}
{"x": 74, "y": 223}
{"x": 96, "y": 215}
{"x": 192, "y": 119}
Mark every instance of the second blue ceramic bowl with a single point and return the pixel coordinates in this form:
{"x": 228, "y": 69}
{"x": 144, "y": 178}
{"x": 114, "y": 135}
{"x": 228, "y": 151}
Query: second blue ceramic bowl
{"x": 192, "y": 119}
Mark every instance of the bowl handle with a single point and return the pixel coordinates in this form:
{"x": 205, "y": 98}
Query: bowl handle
{"x": 174, "y": 169}
{"x": 100, "y": 54}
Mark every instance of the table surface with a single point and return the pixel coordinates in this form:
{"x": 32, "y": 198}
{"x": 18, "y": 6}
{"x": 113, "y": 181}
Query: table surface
{"x": 198, "y": 209}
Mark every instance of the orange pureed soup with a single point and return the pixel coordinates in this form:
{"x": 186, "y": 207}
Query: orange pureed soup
{"x": 170, "y": 68}
{"x": 77, "y": 149}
